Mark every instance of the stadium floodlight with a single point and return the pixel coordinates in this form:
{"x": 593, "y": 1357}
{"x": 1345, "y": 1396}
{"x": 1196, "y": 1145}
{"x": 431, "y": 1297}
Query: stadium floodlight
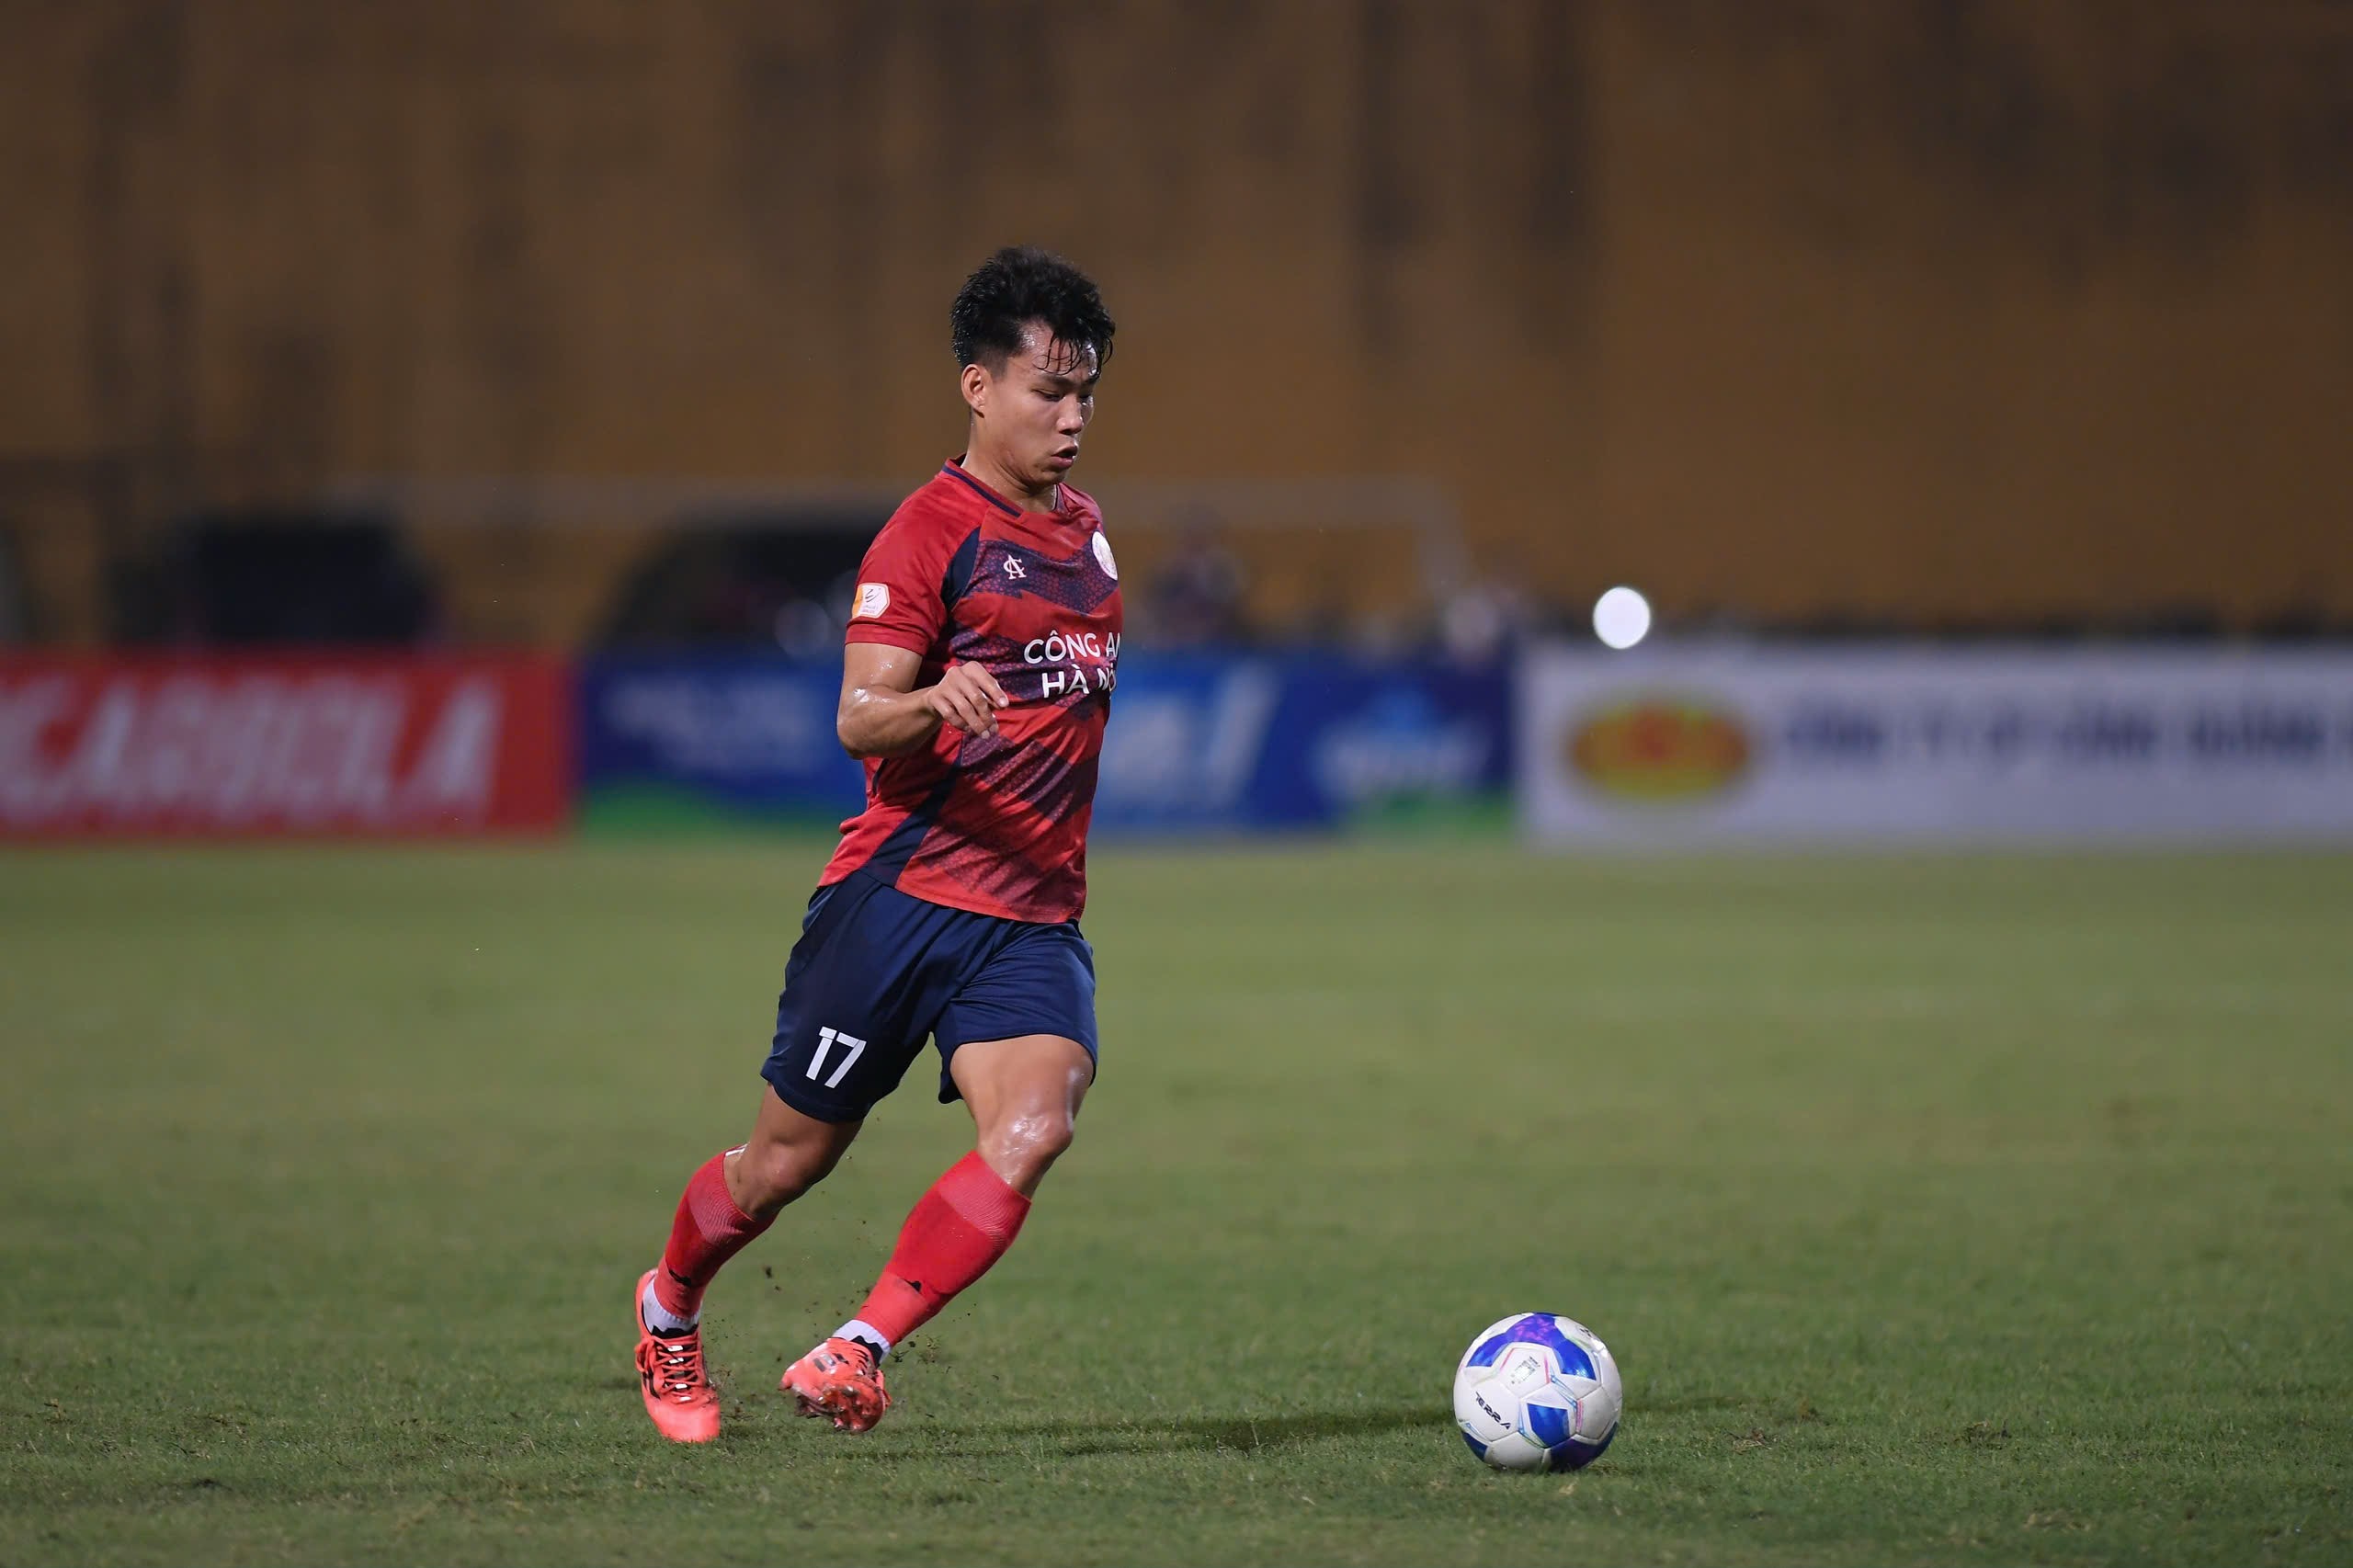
{"x": 1622, "y": 618}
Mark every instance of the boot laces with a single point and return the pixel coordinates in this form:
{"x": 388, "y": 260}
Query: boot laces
{"x": 677, "y": 1365}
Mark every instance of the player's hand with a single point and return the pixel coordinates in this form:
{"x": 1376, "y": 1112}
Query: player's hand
{"x": 967, "y": 698}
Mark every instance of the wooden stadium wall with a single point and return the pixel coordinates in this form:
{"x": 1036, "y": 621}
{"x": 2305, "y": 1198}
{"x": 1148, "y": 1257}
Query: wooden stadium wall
{"x": 1927, "y": 309}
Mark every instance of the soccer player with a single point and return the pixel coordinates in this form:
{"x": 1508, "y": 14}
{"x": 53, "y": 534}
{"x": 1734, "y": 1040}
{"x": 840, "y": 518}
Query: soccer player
{"x": 983, "y": 645}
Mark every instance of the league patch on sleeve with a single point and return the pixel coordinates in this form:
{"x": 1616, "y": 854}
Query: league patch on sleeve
{"x": 873, "y": 599}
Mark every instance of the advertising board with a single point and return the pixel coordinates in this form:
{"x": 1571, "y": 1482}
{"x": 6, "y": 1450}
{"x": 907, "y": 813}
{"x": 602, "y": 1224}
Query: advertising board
{"x": 1211, "y": 742}
{"x": 1198, "y": 743}
{"x": 1898, "y": 744}
{"x": 242, "y": 746}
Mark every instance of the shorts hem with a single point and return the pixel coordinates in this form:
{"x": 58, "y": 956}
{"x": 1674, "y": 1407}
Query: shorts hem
{"x": 949, "y": 1093}
{"x": 834, "y": 1113}
{"x": 1060, "y": 1029}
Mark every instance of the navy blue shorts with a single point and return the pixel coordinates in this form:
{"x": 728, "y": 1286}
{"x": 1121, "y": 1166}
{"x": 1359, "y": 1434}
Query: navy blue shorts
{"x": 876, "y": 970}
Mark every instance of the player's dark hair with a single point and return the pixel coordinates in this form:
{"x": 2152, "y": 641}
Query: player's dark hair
{"x": 1018, "y": 285}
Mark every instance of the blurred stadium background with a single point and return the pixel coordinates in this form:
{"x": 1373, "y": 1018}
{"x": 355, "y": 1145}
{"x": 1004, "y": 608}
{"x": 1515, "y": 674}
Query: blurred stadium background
{"x": 458, "y": 420}
{"x": 576, "y": 350}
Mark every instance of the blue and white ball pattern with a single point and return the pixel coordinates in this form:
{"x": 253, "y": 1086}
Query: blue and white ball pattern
{"x": 1537, "y": 1392}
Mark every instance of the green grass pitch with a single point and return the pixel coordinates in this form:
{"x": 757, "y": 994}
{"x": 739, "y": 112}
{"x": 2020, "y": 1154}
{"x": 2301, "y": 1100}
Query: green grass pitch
{"x": 1966, "y": 1210}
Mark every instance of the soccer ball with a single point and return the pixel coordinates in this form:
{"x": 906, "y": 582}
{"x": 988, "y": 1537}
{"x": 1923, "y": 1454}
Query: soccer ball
{"x": 1537, "y": 1391}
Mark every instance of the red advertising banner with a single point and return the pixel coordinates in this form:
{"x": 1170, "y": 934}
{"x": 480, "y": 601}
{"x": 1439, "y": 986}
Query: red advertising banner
{"x": 244, "y": 747}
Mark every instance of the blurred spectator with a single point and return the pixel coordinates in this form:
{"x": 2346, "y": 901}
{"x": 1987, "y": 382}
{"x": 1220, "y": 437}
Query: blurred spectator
{"x": 1196, "y": 595}
{"x": 1486, "y": 616}
{"x": 257, "y": 579}
{"x": 12, "y": 618}
{"x": 778, "y": 581}
{"x": 811, "y": 629}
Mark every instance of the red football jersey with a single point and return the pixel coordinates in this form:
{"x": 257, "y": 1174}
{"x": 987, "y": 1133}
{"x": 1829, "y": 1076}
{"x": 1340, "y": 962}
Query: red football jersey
{"x": 993, "y": 824}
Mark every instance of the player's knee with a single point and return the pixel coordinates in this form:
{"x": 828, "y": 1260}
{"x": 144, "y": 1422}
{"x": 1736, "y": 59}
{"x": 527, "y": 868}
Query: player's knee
{"x": 1050, "y": 1136}
{"x": 1028, "y": 1144}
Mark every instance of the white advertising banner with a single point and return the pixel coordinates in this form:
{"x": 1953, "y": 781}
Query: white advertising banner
{"x": 1724, "y": 744}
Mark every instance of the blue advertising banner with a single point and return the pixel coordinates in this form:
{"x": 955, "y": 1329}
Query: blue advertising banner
{"x": 1238, "y": 743}
{"x": 1198, "y": 743}
{"x": 683, "y": 740}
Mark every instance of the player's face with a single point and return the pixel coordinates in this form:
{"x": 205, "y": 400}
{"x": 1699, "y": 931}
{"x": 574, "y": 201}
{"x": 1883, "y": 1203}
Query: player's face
{"x": 1034, "y": 411}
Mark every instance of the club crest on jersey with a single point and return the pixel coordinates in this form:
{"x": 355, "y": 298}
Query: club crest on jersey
{"x": 1103, "y": 556}
{"x": 873, "y": 599}
{"x": 1014, "y": 570}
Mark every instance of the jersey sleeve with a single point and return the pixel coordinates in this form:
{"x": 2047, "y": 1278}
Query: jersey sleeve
{"x": 900, "y": 583}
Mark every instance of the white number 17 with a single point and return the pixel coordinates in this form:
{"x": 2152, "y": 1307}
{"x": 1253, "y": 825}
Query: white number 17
{"x": 826, "y": 1038}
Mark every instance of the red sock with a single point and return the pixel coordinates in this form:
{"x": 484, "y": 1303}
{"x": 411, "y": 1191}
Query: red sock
{"x": 956, "y": 1231}
{"x": 708, "y": 1230}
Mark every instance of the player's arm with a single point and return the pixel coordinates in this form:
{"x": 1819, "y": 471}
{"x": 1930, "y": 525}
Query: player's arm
{"x": 883, "y": 713}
